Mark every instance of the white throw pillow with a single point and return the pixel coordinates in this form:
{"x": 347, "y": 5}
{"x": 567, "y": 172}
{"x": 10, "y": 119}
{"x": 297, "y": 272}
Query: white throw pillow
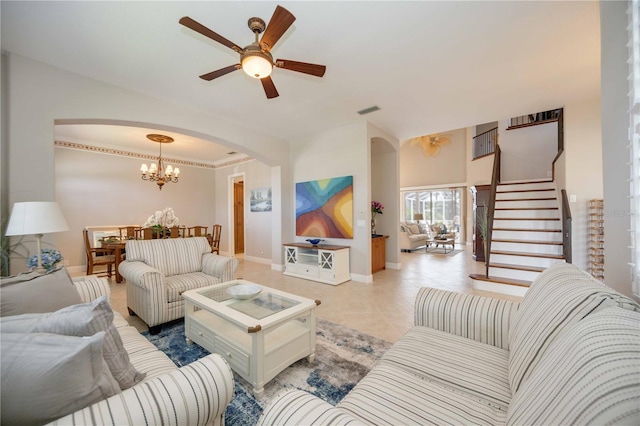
{"x": 413, "y": 229}
{"x": 34, "y": 292}
{"x": 82, "y": 320}
{"x": 47, "y": 376}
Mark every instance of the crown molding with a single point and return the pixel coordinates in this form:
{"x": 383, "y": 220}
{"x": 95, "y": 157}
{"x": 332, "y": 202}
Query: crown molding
{"x": 123, "y": 153}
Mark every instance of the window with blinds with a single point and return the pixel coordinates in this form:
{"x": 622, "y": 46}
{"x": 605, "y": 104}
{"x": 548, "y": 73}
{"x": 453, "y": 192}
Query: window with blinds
{"x": 634, "y": 138}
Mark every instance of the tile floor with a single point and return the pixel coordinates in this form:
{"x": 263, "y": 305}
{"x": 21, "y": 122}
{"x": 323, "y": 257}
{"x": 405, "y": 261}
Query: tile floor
{"x": 383, "y": 308}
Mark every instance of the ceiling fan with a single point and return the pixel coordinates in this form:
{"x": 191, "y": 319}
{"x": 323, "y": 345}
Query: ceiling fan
{"x": 256, "y": 59}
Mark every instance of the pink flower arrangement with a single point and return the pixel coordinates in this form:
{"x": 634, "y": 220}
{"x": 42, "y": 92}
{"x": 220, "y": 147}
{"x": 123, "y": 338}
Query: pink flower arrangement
{"x": 376, "y": 208}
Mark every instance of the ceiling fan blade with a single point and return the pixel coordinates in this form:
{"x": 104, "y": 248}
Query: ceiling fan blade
{"x": 199, "y": 28}
{"x": 279, "y": 23}
{"x": 303, "y": 67}
{"x": 219, "y": 73}
{"x": 269, "y": 88}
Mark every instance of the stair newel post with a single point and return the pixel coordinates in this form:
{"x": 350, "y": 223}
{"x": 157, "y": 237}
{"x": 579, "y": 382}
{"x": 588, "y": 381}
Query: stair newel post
{"x": 495, "y": 178}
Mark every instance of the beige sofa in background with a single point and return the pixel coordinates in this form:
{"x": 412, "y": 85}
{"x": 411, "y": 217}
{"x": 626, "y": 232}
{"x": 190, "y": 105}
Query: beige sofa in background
{"x": 414, "y": 235}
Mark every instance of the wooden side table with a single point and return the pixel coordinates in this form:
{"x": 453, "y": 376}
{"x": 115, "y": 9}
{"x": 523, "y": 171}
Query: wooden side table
{"x": 378, "y": 253}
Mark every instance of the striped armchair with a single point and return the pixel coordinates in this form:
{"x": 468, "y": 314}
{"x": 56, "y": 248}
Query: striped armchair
{"x": 159, "y": 271}
{"x": 569, "y": 353}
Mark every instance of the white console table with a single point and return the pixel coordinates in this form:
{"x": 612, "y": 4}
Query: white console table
{"x": 325, "y": 263}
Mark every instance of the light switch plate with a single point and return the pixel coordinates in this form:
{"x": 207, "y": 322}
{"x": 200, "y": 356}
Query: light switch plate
{"x": 360, "y": 223}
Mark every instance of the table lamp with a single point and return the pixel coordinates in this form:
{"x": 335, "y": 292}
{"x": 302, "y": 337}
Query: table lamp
{"x": 36, "y": 218}
{"x": 418, "y": 216}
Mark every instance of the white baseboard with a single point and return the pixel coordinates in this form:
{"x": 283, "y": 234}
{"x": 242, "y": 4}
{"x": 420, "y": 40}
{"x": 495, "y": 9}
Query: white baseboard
{"x": 362, "y": 278}
{"x": 256, "y": 259}
{"x": 390, "y": 265}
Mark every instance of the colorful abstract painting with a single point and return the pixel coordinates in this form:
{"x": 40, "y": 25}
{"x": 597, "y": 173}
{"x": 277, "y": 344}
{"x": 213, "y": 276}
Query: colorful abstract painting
{"x": 324, "y": 208}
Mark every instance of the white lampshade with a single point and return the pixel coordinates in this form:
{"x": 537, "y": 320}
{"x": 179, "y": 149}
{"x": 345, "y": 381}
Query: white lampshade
{"x": 36, "y": 217}
{"x": 256, "y": 67}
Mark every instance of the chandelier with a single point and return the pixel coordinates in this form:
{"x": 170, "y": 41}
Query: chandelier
{"x": 157, "y": 173}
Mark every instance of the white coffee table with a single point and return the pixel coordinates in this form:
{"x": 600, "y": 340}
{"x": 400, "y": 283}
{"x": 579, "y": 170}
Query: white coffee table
{"x": 259, "y": 336}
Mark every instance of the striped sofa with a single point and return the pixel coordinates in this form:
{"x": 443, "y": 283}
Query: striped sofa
{"x": 196, "y": 394}
{"x": 159, "y": 271}
{"x": 569, "y": 353}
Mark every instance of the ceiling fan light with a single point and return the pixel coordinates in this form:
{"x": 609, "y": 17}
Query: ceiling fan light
{"x": 256, "y": 66}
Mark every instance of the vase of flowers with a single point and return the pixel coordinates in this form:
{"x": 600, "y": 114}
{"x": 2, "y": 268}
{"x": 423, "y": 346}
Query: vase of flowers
{"x": 160, "y": 221}
{"x": 376, "y": 208}
{"x": 50, "y": 258}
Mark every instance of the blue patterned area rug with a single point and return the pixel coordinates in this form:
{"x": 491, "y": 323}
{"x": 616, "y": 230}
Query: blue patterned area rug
{"x": 343, "y": 357}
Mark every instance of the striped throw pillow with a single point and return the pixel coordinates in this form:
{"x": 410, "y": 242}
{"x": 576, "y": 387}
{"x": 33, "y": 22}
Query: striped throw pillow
{"x": 590, "y": 375}
{"x": 559, "y": 298}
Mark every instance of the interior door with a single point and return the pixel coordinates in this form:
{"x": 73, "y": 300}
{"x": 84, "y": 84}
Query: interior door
{"x": 238, "y": 216}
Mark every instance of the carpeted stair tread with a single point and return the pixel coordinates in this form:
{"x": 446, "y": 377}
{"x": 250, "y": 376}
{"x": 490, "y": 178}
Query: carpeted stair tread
{"x": 551, "y": 243}
{"x": 526, "y": 230}
{"x": 527, "y": 218}
{"x": 517, "y": 267}
{"x": 500, "y": 280}
{"x": 524, "y": 208}
{"x": 528, "y": 254}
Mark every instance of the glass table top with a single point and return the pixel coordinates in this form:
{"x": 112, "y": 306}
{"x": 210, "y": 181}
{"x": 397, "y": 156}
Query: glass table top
{"x": 262, "y": 305}
{"x": 259, "y": 306}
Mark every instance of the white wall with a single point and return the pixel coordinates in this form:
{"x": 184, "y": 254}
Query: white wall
{"x": 615, "y": 155}
{"x": 39, "y": 94}
{"x": 96, "y": 189}
{"x": 583, "y": 168}
{"x": 527, "y": 152}
{"x": 385, "y": 187}
{"x": 448, "y": 167}
{"x": 258, "y": 225}
{"x": 340, "y": 152}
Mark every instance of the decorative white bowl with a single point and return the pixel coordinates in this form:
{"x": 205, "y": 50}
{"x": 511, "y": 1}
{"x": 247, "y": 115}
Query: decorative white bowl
{"x": 244, "y": 291}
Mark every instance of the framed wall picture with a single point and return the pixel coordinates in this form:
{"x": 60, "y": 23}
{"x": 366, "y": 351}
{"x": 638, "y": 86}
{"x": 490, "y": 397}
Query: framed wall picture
{"x": 260, "y": 200}
{"x": 324, "y": 208}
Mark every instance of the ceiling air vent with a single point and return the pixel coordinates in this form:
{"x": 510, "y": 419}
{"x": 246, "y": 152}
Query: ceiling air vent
{"x": 369, "y": 110}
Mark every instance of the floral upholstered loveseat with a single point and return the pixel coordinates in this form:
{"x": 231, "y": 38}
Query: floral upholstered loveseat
{"x": 68, "y": 358}
{"x": 569, "y": 353}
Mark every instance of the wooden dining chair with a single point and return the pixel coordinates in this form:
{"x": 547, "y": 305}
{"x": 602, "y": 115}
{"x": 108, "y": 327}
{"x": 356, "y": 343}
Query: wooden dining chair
{"x": 215, "y": 238}
{"x": 178, "y": 231}
{"x": 97, "y": 256}
{"x": 197, "y": 231}
{"x": 147, "y": 233}
{"x": 129, "y": 232}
